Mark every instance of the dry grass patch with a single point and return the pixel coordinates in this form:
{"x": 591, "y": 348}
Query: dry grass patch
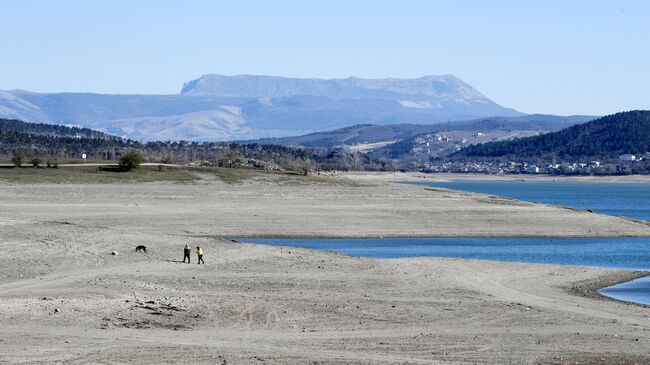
{"x": 92, "y": 174}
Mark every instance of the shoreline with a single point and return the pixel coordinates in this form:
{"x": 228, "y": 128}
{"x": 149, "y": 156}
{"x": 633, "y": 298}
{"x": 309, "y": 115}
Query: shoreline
{"x": 588, "y": 289}
{"x": 407, "y": 235}
{"x": 446, "y": 177}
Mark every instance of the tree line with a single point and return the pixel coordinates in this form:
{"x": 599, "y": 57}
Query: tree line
{"x": 29, "y": 142}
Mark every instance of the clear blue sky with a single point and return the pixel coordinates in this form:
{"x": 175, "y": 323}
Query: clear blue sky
{"x": 562, "y": 57}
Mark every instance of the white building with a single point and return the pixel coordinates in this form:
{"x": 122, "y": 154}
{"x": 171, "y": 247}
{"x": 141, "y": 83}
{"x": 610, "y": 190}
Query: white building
{"x": 532, "y": 169}
{"x": 627, "y": 157}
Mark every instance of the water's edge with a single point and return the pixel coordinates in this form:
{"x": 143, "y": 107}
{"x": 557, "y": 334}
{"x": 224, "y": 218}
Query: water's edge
{"x": 609, "y": 287}
{"x": 591, "y": 288}
{"x": 627, "y": 291}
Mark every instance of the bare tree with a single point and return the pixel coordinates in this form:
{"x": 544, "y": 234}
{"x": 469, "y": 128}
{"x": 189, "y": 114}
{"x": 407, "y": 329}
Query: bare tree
{"x": 304, "y": 167}
{"x": 17, "y": 158}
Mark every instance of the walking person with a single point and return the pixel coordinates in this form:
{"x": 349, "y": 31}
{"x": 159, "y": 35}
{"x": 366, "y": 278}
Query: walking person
{"x": 186, "y": 253}
{"x": 199, "y": 253}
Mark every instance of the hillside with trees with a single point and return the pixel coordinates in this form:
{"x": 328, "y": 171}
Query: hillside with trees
{"x": 41, "y": 129}
{"x": 370, "y": 133}
{"x": 604, "y": 138}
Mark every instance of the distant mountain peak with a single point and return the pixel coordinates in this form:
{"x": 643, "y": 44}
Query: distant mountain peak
{"x": 438, "y": 87}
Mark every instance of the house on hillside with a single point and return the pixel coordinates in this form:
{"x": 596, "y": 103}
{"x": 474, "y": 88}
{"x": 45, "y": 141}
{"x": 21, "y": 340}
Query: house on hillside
{"x": 532, "y": 169}
{"x": 627, "y": 157}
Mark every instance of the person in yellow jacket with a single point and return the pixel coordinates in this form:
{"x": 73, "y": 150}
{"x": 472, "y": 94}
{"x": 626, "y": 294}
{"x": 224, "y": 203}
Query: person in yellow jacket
{"x": 199, "y": 253}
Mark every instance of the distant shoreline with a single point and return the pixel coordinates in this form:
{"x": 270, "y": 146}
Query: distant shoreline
{"x": 443, "y": 177}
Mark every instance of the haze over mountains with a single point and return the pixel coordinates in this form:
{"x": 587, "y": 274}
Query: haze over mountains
{"x": 216, "y": 107}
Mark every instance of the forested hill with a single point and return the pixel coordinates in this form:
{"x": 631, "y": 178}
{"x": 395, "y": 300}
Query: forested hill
{"x": 12, "y": 125}
{"x": 606, "y": 137}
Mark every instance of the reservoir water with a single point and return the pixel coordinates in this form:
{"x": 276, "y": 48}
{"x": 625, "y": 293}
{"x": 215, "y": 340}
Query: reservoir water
{"x": 621, "y": 253}
{"x": 636, "y": 291}
{"x": 619, "y": 199}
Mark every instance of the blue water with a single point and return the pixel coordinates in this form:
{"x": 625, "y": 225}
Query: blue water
{"x": 636, "y": 291}
{"x": 622, "y": 253}
{"x": 619, "y": 199}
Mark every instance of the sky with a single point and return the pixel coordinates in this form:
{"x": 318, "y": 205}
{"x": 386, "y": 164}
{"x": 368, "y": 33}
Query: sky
{"x": 557, "y": 57}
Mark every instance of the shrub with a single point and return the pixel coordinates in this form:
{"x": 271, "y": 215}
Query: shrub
{"x": 53, "y": 163}
{"x": 17, "y": 160}
{"x": 131, "y": 160}
{"x": 36, "y": 161}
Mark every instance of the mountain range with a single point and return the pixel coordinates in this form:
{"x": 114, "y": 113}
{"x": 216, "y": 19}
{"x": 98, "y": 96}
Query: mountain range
{"x": 217, "y": 107}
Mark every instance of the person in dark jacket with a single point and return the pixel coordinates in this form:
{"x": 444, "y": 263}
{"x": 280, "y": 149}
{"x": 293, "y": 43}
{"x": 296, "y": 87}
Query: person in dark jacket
{"x": 186, "y": 253}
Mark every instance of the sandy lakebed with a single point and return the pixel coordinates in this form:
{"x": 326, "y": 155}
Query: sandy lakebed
{"x": 65, "y": 299}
